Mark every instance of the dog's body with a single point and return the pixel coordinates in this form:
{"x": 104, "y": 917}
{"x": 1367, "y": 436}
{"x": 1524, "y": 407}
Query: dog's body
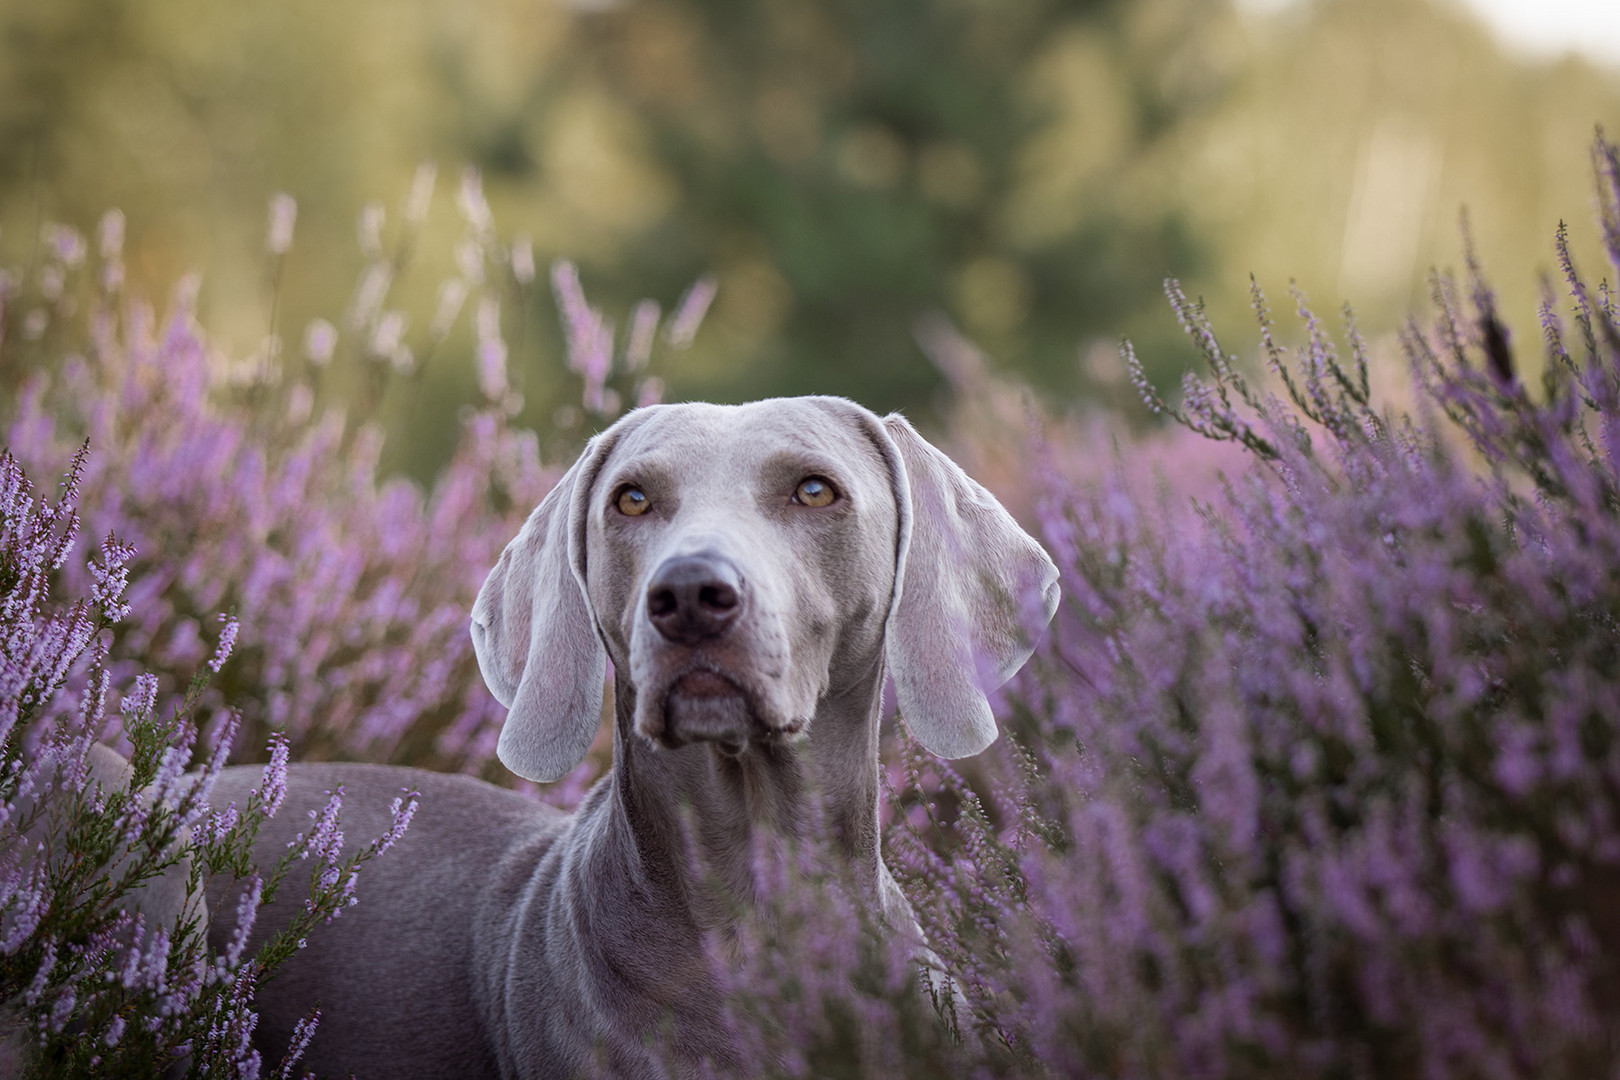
{"x": 752, "y": 572}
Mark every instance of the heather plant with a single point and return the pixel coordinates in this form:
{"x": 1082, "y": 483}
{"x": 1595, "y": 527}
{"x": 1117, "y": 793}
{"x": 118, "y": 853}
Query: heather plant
{"x": 1315, "y": 777}
{"x": 1315, "y": 774}
{"x": 350, "y": 588}
{"x": 100, "y": 975}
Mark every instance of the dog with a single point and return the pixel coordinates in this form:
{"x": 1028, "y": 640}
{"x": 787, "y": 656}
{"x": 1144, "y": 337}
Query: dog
{"x": 752, "y": 572}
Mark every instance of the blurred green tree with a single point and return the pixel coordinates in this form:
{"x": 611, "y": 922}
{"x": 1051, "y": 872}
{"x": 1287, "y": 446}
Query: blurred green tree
{"x": 848, "y": 166}
{"x": 1031, "y": 168}
{"x": 843, "y": 167}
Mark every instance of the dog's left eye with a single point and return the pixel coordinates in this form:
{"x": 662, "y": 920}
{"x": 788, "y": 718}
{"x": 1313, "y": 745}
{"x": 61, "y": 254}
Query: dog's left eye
{"x": 632, "y": 502}
{"x": 814, "y": 491}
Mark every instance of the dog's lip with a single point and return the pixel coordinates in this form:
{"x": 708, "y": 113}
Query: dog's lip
{"x": 704, "y": 683}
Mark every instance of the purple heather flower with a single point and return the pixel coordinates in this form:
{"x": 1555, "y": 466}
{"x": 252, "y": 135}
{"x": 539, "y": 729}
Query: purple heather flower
{"x": 42, "y": 974}
{"x": 224, "y": 741}
{"x": 227, "y": 641}
{"x": 649, "y": 392}
{"x": 247, "y": 910}
{"x": 402, "y": 812}
{"x": 452, "y": 295}
{"x": 368, "y": 229}
{"x": 523, "y": 260}
{"x": 63, "y": 1008}
{"x": 387, "y": 337}
{"x": 588, "y": 335}
{"x": 689, "y": 312}
{"x": 421, "y": 193}
{"x": 491, "y": 350}
{"x": 303, "y": 1032}
{"x": 139, "y": 701}
{"x": 110, "y": 235}
{"x": 320, "y": 342}
{"x": 643, "y": 329}
{"x": 369, "y": 295}
{"x": 273, "y": 784}
{"x": 470, "y": 201}
{"x": 283, "y": 214}
{"x": 24, "y": 908}
{"x": 325, "y": 840}
{"x": 216, "y": 827}
{"x": 63, "y": 243}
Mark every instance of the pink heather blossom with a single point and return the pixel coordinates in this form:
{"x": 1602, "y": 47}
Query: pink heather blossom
{"x": 215, "y": 828}
{"x": 690, "y": 311}
{"x": 452, "y": 295}
{"x": 643, "y": 329}
{"x": 273, "y": 785}
{"x": 227, "y": 641}
{"x": 369, "y": 229}
{"x": 402, "y": 812}
{"x": 421, "y": 193}
{"x": 283, "y": 213}
{"x": 42, "y": 974}
{"x": 303, "y": 1032}
{"x": 491, "y": 350}
{"x": 247, "y": 911}
{"x": 320, "y": 341}
{"x": 111, "y": 234}
{"x": 649, "y": 392}
{"x": 139, "y": 701}
{"x": 588, "y": 334}
{"x": 325, "y": 840}
{"x": 470, "y": 201}
{"x": 523, "y": 260}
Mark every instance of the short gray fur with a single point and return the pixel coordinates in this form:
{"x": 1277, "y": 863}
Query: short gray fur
{"x": 503, "y": 938}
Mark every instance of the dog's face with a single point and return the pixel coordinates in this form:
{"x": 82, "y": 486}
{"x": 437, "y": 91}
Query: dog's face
{"x": 740, "y": 561}
{"x": 743, "y": 565}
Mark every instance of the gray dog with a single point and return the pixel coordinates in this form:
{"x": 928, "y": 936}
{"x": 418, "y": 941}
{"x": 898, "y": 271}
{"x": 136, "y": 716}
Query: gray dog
{"x": 752, "y": 572}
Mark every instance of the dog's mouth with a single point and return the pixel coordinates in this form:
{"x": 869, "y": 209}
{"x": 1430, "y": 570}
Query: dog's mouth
{"x": 704, "y": 684}
{"x": 704, "y": 705}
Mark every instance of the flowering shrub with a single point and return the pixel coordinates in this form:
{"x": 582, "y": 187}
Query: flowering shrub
{"x": 1320, "y": 779}
{"x": 1317, "y": 776}
{"x": 103, "y": 974}
{"x": 350, "y": 591}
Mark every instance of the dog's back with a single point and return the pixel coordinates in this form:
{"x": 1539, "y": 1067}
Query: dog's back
{"x": 414, "y": 925}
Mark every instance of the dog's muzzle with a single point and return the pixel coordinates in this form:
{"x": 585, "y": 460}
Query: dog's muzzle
{"x": 693, "y": 599}
{"x": 694, "y": 602}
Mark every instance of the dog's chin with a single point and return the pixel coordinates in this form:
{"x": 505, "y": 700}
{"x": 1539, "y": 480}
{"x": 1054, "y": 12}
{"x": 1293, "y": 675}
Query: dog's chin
{"x": 706, "y": 707}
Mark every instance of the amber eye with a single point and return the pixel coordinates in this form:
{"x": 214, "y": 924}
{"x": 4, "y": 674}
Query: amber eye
{"x": 814, "y": 491}
{"x": 632, "y": 502}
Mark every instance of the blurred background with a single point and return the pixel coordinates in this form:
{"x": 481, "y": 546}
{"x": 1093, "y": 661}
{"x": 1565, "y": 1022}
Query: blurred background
{"x": 1030, "y": 169}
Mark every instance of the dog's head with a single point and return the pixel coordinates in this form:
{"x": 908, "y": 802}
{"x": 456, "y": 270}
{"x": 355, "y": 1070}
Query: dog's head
{"x": 740, "y": 563}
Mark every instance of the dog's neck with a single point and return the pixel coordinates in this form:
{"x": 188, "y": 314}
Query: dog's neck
{"x": 698, "y": 817}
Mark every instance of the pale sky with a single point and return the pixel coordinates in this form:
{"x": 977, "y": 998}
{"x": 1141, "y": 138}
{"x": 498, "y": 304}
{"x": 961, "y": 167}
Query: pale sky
{"x": 1537, "y": 27}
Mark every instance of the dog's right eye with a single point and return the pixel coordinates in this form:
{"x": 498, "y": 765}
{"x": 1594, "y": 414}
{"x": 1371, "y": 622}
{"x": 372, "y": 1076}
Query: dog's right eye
{"x": 632, "y": 501}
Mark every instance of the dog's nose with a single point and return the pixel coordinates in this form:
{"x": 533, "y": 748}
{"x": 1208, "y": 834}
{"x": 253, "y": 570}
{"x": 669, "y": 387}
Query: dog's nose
{"x": 694, "y": 598}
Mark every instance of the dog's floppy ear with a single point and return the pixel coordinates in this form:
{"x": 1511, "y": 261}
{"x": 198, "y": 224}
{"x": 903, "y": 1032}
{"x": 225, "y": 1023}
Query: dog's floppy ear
{"x": 535, "y": 637}
{"x": 972, "y": 590}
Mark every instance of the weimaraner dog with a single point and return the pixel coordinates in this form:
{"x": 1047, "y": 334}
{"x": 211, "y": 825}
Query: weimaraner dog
{"x": 752, "y": 572}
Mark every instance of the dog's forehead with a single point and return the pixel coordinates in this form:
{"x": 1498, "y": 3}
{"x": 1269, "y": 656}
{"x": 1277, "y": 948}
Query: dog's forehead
{"x": 713, "y": 440}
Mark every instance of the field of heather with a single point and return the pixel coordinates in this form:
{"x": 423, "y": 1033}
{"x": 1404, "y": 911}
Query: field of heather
{"x": 1316, "y": 772}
